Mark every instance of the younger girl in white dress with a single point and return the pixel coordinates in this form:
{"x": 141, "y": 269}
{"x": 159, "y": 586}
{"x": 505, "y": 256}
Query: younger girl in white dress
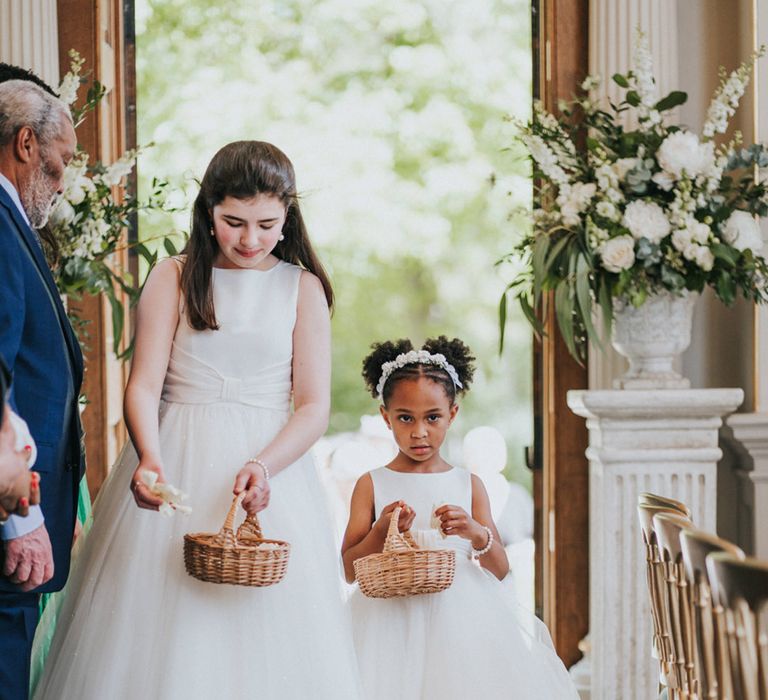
{"x": 471, "y": 640}
{"x": 227, "y": 335}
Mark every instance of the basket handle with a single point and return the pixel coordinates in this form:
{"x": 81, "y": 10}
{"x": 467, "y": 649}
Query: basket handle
{"x": 250, "y": 526}
{"x": 397, "y": 541}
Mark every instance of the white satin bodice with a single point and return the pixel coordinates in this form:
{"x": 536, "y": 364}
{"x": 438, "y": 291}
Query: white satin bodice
{"x": 248, "y": 359}
{"x": 424, "y": 493}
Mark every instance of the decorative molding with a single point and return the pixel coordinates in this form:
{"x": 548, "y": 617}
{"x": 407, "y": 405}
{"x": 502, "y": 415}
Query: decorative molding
{"x": 664, "y": 441}
{"x": 28, "y": 37}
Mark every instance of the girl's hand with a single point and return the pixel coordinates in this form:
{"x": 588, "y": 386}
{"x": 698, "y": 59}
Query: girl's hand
{"x": 407, "y": 515}
{"x": 454, "y": 520}
{"x": 252, "y": 479}
{"x": 141, "y": 494}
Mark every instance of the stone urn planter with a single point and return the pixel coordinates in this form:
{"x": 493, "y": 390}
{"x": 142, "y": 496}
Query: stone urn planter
{"x": 651, "y": 337}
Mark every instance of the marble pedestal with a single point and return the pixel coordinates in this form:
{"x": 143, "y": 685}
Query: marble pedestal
{"x": 664, "y": 441}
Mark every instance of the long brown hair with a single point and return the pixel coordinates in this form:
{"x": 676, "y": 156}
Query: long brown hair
{"x": 243, "y": 170}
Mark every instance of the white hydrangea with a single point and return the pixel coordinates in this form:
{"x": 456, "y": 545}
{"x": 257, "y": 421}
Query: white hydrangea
{"x": 742, "y": 231}
{"x": 681, "y": 153}
{"x": 618, "y": 253}
{"x": 646, "y": 220}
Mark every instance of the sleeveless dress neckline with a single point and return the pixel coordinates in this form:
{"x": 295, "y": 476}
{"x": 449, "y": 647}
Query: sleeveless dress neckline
{"x": 134, "y": 624}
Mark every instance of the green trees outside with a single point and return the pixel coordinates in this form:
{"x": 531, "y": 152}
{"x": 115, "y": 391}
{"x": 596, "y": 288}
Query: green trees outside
{"x": 394, "y": 116}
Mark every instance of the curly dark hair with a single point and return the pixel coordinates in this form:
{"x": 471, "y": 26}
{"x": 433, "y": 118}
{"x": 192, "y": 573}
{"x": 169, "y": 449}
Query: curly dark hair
{"x": 455, "y": 351}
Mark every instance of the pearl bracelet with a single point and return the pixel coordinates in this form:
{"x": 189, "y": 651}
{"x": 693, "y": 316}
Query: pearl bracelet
{"x": 477, "y": 553}
{"x": 264, "y": 467}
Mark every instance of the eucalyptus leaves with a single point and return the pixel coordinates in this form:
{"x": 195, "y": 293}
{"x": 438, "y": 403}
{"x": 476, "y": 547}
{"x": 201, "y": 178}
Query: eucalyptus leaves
{"x": 639, "y": 211}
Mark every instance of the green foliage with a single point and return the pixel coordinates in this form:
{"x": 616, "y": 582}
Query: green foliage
{"x": 392, "y": 114}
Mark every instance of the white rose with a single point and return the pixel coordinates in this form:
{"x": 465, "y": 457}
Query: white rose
{"x": 618, "y": 253}
{"x": 681, "y": 152}
{"x": 646, "y": 220}
{"x": 704, "y": 258}
{"x": 742, "y": 231}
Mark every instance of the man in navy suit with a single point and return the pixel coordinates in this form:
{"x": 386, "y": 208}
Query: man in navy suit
{"x": 37, "y": 140}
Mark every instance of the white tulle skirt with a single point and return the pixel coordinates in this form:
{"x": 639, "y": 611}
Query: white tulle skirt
{"x": 471, "y": 641}
{"x": 135, "y": 625}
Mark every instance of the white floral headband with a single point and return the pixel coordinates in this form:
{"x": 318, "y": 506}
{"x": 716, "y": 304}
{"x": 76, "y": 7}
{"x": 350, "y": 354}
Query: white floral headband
{"x": 416, "y": 357}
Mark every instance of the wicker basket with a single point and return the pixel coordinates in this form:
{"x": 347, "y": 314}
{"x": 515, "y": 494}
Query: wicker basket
{"x": 403, "y": 569}
{"x": 236, "y": 558}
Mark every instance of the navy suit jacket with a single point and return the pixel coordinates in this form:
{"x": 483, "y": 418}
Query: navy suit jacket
{"x": 40, "y": 347}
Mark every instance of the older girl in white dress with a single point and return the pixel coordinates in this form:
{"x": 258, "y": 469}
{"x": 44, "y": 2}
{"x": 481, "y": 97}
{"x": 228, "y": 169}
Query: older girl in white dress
{"x": 228, "y": 336}
{"x": 471, "y": 640}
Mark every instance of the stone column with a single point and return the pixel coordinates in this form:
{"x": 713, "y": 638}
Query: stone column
{"x": 751, "y": 430}
{"x": 664, "y": 441}
{"x": 29, "y": 37}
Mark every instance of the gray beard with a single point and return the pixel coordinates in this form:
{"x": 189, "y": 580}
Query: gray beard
{"x": 37, "y": 199}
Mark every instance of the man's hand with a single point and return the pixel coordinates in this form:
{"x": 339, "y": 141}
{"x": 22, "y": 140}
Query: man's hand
{"x": 29, "y": 559}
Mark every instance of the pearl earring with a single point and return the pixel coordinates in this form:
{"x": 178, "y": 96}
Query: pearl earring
{"x": 212, "y": 233}
{"x": 282, "y": 237}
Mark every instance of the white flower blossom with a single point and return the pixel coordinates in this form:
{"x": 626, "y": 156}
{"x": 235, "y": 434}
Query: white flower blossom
{"x": 727, "y": 96}
{"x": 623, "y": 165}
{"x": 646, "y": 220}
{"x": 682, "y": 154}
{"x": 742, "y": 231}
{"x": 608, "y": 211}
{"x": 546, "y": 159}
{"x": 618, "y": 253}
{"x": 664, "y": 180}
{"x": 118, "y": 170}
{"x": 704, "y": 258}
{"x": 681, "y": 239}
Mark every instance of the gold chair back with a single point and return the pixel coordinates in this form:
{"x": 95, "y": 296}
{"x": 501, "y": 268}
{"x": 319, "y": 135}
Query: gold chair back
{"x": 741, "y": 587}
{"x": 655, "y": 577}
{"x": 667, "y": 528}
{"x": 712, "y": 668}
{"x": 654, "y": 499}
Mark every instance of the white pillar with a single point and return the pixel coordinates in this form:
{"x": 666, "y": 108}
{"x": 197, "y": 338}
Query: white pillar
{"x": 612, "y": 25}
{"x": 664, "y": 441}
{"x": 751, "y": 429}
{"x": 29, "y": 37}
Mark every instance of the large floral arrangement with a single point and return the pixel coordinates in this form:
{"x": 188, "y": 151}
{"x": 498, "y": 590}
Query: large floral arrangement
{"x": 640, "y": 210}
{"x": 90, "y": 219}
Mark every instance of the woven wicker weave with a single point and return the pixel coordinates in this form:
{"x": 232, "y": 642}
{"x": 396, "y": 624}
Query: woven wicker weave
{"x": 236, "y": 558}
{"x": 403, "y": 569}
